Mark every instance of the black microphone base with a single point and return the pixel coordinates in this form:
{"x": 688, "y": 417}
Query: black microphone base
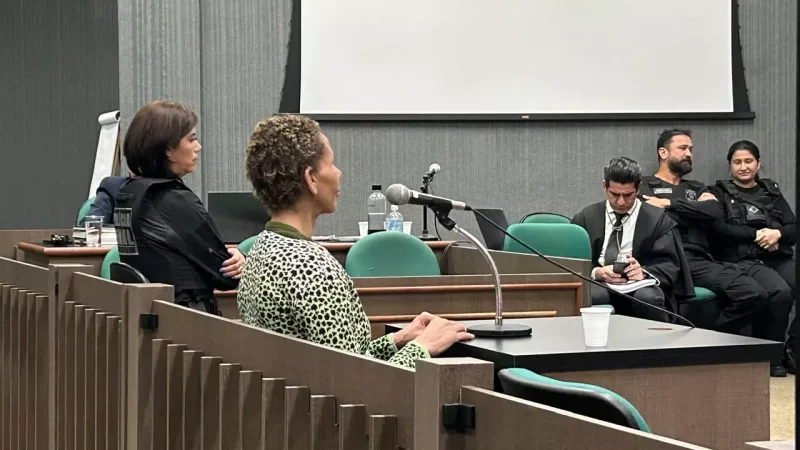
{"x": 428, "y": 237}
{"x": 506, "y": 330}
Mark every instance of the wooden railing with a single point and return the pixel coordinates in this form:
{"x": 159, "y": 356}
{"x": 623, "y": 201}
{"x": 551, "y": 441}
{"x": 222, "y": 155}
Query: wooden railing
{"x": 91, "y": 364}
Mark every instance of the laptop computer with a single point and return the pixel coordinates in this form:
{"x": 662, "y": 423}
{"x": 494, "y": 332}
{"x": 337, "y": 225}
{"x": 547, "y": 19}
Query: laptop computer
{"x": 238, "y": 215}
{"x": 492, "y": 237}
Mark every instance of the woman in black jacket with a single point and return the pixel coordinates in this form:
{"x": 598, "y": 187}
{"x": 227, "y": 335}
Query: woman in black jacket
{"x": 759, "y": 226}
{"x": 163, "y": 229}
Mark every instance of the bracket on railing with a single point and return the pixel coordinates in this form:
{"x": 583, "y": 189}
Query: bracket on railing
{"x": 148, "y": 321}
{"x": 457, "y": 417}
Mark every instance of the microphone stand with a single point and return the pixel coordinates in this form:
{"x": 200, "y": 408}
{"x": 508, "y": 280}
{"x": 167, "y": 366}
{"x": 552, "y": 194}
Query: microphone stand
{"x": 498, "y": 329}
{"x": 426, "y": 181}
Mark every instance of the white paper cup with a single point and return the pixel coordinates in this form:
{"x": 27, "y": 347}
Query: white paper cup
{"x": 362, "y": 228}
{"x": 595, "y": 326}
{"x": 407, "y": 227}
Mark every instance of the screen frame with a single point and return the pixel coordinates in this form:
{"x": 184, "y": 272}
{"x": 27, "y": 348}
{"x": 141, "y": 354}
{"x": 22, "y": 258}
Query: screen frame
{"x": 290, "y": 94}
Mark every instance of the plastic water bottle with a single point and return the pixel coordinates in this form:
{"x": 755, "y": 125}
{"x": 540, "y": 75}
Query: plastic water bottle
{"x": 376, "y": 210}
{"x": 394, "y": 221}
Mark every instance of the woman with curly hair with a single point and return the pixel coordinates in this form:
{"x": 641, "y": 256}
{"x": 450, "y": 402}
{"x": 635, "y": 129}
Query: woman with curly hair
{"x": 293, "y": 285}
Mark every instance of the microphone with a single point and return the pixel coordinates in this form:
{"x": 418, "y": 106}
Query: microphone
{"x": 398, "y": 194}
{"x": 432, "y": 170}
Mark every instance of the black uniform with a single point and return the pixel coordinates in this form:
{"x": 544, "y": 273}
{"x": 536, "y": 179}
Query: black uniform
{"x": 164, "y": 231}
{"x": 747, "y": 300}
{"x": 748, "y": 210}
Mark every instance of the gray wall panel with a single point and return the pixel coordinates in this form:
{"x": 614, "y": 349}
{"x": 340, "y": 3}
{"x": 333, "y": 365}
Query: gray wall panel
{"x": 160, "y": 58}
{"x": 521, "y": 167}
{"x": 58, "y": 74}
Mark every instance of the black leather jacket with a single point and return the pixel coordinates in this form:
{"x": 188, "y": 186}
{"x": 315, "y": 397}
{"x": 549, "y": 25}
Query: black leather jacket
{"x": 164, "y": 231}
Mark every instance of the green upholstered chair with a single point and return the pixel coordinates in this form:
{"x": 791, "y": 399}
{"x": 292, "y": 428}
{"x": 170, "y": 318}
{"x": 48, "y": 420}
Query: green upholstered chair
{"x": 544, "y": 217}
{"x": 703, "y": 295}
{"x": 84, "y": 210}
{"x": 391, "y": 254}
{"x": 551, "y": 239}
{"x": 579, "y": 398}
{"x": 702, "y": 309}
{"x": 246, "y": 245}
{"x": 111, "y": 257}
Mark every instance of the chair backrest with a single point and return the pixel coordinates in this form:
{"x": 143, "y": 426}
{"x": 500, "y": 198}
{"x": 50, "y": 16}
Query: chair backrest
{"x": 246, "y": 245}
{"x": 84, "y": 210}
{"x": 551, "y": 239}
{"x": 545, "y": 217}
{"x": 111, "y": 257}
{"x": 584, "y": 399}
{"x": 125, "y": 273}
{"x": 391, "y": 254}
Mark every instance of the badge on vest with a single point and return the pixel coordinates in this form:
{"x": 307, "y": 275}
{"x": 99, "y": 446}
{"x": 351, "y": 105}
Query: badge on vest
{"x": 691, "y": 195}
{"x": 662, "y": 190}
{"x": 126, "y": 241}
{"x": 754, "y": 214}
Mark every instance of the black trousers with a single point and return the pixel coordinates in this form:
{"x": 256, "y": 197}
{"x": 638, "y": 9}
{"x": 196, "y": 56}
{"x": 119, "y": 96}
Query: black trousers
{"x": 785, "y": 268}
{"x": 626, "y": 307}
{"x": 201, "y": 301}
{"x": 753, "y": 293}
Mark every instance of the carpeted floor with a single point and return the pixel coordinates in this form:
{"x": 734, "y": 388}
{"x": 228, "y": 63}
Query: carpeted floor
{"x": 782, "y": 408}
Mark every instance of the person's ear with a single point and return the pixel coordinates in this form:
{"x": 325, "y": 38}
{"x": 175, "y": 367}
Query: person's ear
{"x": 603, "y": 183}
{"x": 170, "y": 152}
{"x": 311, "y": 181}
{"x": 758, "y": 166}
{"x": 662, "y": 153}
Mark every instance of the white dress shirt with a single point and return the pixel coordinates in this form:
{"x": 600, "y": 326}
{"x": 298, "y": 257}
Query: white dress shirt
{"x": 628, "y": 229}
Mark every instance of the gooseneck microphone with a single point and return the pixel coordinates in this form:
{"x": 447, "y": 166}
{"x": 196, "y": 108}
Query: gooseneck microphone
{"x": 398, "y": 194}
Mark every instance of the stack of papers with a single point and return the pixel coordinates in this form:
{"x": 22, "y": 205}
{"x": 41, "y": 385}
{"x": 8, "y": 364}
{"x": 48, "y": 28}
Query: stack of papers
{"x": 631, "y": 286}
{"x": 108, "y": 237}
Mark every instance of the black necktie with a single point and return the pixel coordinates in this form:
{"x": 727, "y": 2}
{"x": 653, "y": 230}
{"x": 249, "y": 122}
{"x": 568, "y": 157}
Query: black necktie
{"x": 612, "y": 250}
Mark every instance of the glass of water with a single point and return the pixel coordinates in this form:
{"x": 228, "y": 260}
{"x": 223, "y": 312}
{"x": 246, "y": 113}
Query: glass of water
{"x": 94, "y": 229}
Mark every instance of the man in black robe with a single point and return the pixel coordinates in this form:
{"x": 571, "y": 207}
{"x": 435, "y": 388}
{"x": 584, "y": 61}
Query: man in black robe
{"x": 696, "y": 209}
{"x": 623, "y": 228}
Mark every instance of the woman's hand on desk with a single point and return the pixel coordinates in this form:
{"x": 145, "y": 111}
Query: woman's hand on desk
{"x": 232, "y": 267}
{"x": 412, "y": 330}
{"x": 440, "y": 334}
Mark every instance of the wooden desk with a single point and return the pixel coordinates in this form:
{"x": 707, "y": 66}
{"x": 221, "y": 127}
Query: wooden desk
{"x": 388, "y": 299}
{"x": 698, "y": 386}
{"x": 10, "y": 238}
{"x": 42, "y": 255}
{"x": 464, "y": 259}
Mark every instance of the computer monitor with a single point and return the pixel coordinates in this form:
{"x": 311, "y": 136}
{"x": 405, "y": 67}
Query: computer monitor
{"x": 238, "y": 215}
{"x": 492, "y": 237}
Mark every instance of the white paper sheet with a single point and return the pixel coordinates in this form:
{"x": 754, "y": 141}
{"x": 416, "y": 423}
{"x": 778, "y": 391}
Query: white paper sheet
{"x": 106, "y": 145}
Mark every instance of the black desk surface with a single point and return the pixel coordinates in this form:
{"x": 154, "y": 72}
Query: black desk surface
{"x": 557, "y": 345}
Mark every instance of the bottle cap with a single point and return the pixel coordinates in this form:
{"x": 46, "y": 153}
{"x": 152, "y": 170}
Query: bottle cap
{"x": 376, "y": 187}
{"x": 394, "y": 207}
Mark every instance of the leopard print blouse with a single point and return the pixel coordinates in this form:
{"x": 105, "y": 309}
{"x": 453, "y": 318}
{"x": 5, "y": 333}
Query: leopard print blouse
{"x": 296, "y": 287}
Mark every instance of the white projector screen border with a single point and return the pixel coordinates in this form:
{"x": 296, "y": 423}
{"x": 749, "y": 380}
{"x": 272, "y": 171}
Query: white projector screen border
{"x": 290, "y": 97}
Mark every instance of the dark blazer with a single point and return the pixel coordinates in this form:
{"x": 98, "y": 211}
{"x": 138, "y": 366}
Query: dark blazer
{"x": 105, "y": 199}
{"x": 656, "y": 245}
